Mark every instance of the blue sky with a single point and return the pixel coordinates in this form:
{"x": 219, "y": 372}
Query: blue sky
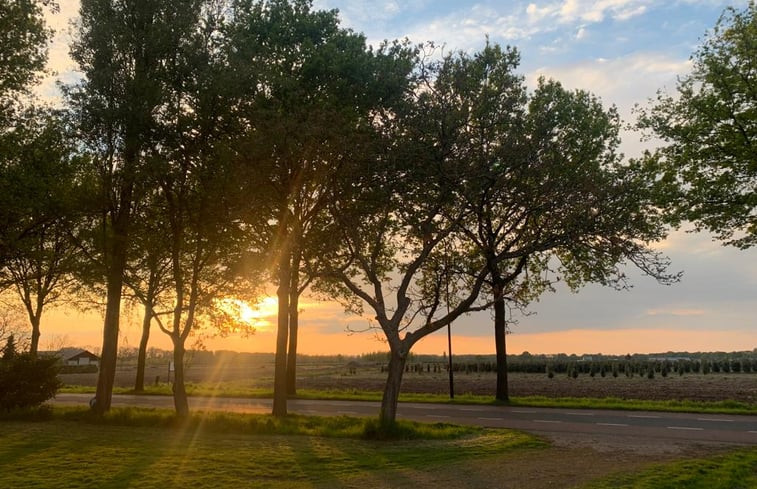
{"x": 623, "y": 51}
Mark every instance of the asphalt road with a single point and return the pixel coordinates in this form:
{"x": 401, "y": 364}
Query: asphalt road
{"x": 641, "y": 425}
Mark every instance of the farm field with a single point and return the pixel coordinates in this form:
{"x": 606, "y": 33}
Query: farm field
{"x": 740, "y": 387}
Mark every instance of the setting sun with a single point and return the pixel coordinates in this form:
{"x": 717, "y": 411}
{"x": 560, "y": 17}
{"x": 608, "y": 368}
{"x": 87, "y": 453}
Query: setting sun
{"x": 258, "y": 315}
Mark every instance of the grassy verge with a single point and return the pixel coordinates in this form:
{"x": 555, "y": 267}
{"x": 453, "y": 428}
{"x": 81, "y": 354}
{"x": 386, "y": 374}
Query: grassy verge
{"x": 732, "y": 471}
{"x": 711, "y": 407}
{"x": 151, "y": 448}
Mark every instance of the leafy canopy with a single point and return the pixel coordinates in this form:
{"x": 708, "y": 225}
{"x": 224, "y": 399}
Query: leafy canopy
{"x": 709, "y": 165}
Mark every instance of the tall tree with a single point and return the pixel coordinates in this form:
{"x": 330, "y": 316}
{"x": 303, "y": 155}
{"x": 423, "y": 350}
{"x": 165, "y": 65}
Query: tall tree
{"x": 708, "y": 160}
{"x": 541, "y": 181}
{"x": 199, "y": 202}
{"x": 315, "y": 85}
{"x": 42, "y": 166}
{"x": 124, "y": 51}
{"x": 396, "y": 211}
{"x": 478, "y": 184}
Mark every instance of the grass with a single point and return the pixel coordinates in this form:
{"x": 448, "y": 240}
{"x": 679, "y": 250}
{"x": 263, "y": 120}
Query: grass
{"x": 736, "y": 470}
{"x": 151, "y": 448}
{"x": 230, "y": 390}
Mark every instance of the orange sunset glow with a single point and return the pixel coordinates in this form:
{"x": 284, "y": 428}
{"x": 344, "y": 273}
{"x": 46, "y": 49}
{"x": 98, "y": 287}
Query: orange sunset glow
{"x": 326, "y": 330}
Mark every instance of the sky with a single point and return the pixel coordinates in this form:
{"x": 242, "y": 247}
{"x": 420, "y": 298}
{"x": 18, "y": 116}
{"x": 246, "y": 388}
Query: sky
{"x": 621, "y": 50}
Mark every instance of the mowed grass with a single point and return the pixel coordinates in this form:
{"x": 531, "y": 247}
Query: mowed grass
{"x": 736, "y": 470}
{"x": 152, "y": 449}
{"x": 232, "y": 390}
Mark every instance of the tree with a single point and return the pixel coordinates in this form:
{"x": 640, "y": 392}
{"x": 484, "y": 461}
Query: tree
{"x": 198, "y": 202}
{"x": 207, "y": 251}
{"x": 124, "y": 51}
{"x": 396, "y": 212}
{"x": 314, "y": 86}
{"x": 545, "y": 192}
{"x": 42, "y": 165}
{"x": 708, "y": 162}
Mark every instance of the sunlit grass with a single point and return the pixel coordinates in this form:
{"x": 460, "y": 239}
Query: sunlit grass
{"x": 254, "y": 424}
{"x": 153, "y": 449}
{"x": 736, "y": 470}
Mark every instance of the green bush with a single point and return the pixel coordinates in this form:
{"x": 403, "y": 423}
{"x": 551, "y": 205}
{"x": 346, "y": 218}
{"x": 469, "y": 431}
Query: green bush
{"x": 27, "y": 381}
{"x": 78, "y": 369}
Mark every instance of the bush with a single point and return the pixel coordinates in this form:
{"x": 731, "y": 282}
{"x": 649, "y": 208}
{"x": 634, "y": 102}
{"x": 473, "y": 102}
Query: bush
{"x": 78, "y": 369}
{"x": 27, "y": 381}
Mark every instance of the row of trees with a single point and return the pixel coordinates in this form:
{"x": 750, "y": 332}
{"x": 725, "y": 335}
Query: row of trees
{"x": 214, "y": 146}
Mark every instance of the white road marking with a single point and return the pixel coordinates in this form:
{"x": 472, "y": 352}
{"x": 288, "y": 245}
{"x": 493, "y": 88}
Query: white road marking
{"x": 611, "y": 424}
{"x": 755, "y": 432}
{"x": 579, "y": 414}
{"x": 437, "y": 416}
{"x": 546, "y": 421}
{"x": 491, "y": 419}
{"x": 471, "y": 409}
{"x": 644, "y": 416}
{"x": 520, "y": 411}
{"x": 716, "y": 419}
{"x": 688, "y": 428}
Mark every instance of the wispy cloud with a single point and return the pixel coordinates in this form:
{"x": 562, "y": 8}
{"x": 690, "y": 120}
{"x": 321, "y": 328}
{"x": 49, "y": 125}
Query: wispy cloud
{"x": 676, "y": 312}
{"x": 569, "y": 11}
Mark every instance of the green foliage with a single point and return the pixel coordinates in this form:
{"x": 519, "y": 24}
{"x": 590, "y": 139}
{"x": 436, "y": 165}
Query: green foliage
{"x": 23, "y": 50}
{"x": 27, "y": 381}
{"x": 709, "y": 166}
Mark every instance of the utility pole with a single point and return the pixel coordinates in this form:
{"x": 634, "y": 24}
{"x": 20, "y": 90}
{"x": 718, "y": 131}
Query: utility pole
{"x": 449, "y": 334}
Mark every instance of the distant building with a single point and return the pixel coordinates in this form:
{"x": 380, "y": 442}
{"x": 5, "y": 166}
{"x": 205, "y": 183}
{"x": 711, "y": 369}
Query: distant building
{"x": 74, "y": 356}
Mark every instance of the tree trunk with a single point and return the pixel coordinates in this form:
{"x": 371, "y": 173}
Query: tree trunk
{"x": 388, "y": 413}
{"x": 294, "y": 298}
{"x": 500, "y": 331}
{"x": 109, "y": 353}
{"x": 280, "y": 369}
{"x": 180, "y": 401}
{"x": 139, "y": 383}
{"x": 34, "y": 347}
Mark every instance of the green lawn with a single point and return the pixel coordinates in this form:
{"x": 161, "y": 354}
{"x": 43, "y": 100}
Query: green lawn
{"x": 149, "y": 449}
{"x": 736, "y": 470}
{"x": 142, "y": 448}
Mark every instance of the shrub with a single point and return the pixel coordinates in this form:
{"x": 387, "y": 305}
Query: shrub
{"x": 78, "y": 369}
{"x": 27, "y": 381}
